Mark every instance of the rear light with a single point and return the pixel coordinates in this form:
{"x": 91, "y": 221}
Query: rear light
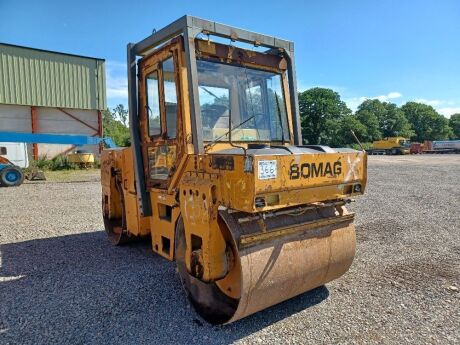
{"x": 260, "y": 202}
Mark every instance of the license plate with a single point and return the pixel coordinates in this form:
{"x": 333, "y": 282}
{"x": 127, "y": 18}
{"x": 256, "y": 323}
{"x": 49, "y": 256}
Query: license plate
{"x": 267, "y": 170}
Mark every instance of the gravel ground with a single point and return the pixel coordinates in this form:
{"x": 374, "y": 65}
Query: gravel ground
{"x": 61, "y": 282}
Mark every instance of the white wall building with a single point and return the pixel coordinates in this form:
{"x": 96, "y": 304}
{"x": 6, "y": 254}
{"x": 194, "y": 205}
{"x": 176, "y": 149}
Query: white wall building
{"x": 50, "y": 92}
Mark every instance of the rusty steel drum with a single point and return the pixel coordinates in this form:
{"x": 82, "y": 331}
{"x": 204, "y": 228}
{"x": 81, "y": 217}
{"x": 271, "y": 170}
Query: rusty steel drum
{"x": 275, "y": 260}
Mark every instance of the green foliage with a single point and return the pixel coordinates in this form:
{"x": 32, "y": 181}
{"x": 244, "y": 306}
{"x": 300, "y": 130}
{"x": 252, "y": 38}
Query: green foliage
{"x": 42, "y": 163}
{"x": 391, "y": 121}
{"x": 356, "y": 146}
{"x": 60, "y": 162}
{"x": 321, "y": 111}
{"x": 368, "y": 118}
{"x": 114, "y": 124}
{"x": 454, "y": 124}
{"x": 427, "y": 123}
{"x": 326, "y": 120}
{"x": 344, "y": 136}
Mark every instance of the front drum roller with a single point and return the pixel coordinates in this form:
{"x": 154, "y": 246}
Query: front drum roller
{"x": 296, "y": 253}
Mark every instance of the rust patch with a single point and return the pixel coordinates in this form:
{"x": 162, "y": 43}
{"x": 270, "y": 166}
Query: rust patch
{"x": 223, "y": 162}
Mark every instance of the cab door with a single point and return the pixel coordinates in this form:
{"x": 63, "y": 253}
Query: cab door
{"x": 163, "y": 146}
{"x": 161, "y": 115}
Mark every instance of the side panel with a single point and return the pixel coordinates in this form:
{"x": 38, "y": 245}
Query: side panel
{"x": 137, "y": 225}
{"x": 310, "y": 170}
{"x": 50, "y": 79}
{"x": 206, "y": 255}
{"x": 165, "y": 212}
{"x": 117, "y": 168}
{"x": 111, "y": 201}
{"x": 54, "y": 120}
{"x": 299, "y": 179}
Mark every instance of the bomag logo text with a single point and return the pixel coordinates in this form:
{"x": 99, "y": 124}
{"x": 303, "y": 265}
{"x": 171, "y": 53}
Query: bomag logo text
{"x": 310, "y": 170}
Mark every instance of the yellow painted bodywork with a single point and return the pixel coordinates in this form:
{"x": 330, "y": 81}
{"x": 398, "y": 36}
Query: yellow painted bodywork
{"x": 238, "y": 189}
{"x": 390, "y": 143}
{"x": 120, "y": 161}
{"x": 202, "y": 189}
{"x": 194, "y": 187}
{"x": 81, "y": 158}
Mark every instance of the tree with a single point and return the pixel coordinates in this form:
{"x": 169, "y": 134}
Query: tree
{"x": 391, "y": 120}
{"x": 115, "y": 129}
{"x": 321, "y": 111}
{"x": 346, "y": 125}
{"x": 368, "y": 118}
{"x": 427, "y": 123}
{"x": 122, "y": 114}
{"x": 454, "y": 124}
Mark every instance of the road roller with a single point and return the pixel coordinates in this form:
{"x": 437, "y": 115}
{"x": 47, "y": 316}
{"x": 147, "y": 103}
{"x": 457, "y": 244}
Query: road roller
{"x": 217, "y": 175}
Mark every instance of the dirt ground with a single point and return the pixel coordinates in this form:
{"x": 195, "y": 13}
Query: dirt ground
{"x": 61, "y": 282}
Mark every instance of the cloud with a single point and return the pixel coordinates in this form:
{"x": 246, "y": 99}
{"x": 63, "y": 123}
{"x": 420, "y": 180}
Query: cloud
{"x": 387, "y": 97}
{"x": 448, "y": 111}
{"x": 446, "y": 108}
{"x": 394, "y": 94}
{"x": 449, "y": 107}
{"x": 354, "y": 102}
{"x": 117, "y": 82}
{"x": 433, "y": 102}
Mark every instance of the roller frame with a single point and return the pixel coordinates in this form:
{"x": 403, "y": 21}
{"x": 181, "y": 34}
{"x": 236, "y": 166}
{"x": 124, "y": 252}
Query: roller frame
{"x": 235, "y": 256}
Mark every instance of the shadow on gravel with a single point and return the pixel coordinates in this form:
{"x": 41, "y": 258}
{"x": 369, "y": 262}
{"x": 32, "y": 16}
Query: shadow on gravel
{"x": 78, "y": 289}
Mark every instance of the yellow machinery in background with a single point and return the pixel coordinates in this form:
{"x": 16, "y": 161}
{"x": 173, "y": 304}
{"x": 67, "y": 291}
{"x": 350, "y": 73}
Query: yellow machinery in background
{"x": 83, "y": 159}
{"x": 390, "y": 146}
{"x": 217, "y": 175}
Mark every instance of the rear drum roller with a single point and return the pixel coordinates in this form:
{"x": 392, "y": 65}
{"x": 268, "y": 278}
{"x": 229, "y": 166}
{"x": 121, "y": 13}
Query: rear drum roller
{"x": 116, "y": 232}
{"x": 116, "y": 229}
{"x": 270, "y": 271}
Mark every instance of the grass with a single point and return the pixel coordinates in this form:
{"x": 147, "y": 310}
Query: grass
{"x": 60, "y": 169}
{"x": 73, "y": 175}
{"x": 60, "y": 162}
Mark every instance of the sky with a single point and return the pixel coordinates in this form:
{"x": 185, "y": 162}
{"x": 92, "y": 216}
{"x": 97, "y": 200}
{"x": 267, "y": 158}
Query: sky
{"x": 395, "y": 51}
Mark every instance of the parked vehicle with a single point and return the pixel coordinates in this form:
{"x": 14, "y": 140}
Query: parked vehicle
{"x": 16, "y": 153}
{"x": 441, "y": 146}
{"x": 390, "y": 146}
{"x": 416, "y": 148}
{"x": 218, "y": 178}
{"x": 11, "y": 175}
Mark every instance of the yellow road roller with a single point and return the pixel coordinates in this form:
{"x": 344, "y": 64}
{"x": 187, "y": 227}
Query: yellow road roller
{"x": 217, "y": 175}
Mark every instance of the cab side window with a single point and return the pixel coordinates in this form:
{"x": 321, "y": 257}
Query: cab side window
{"x": 170, "y": 97}
{"x": 153, "y": 104}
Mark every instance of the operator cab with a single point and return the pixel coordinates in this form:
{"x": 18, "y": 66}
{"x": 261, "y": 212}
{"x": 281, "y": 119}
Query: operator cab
{"x": 404, "y": 143}
{"x": 248, "y": 100}
{"x": 242, "y": 99}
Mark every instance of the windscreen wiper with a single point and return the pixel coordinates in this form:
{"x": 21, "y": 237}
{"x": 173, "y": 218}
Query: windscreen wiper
{"x": 209, "y": 92}
{"x": 212, "y": 143}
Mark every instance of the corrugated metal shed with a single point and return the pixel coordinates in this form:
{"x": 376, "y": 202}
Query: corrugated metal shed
{"x": 49, "y": 79}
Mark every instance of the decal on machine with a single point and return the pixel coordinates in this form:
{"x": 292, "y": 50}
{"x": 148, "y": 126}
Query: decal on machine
{"x": 311, "y": 170}
{"x": 267, "y": 170}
